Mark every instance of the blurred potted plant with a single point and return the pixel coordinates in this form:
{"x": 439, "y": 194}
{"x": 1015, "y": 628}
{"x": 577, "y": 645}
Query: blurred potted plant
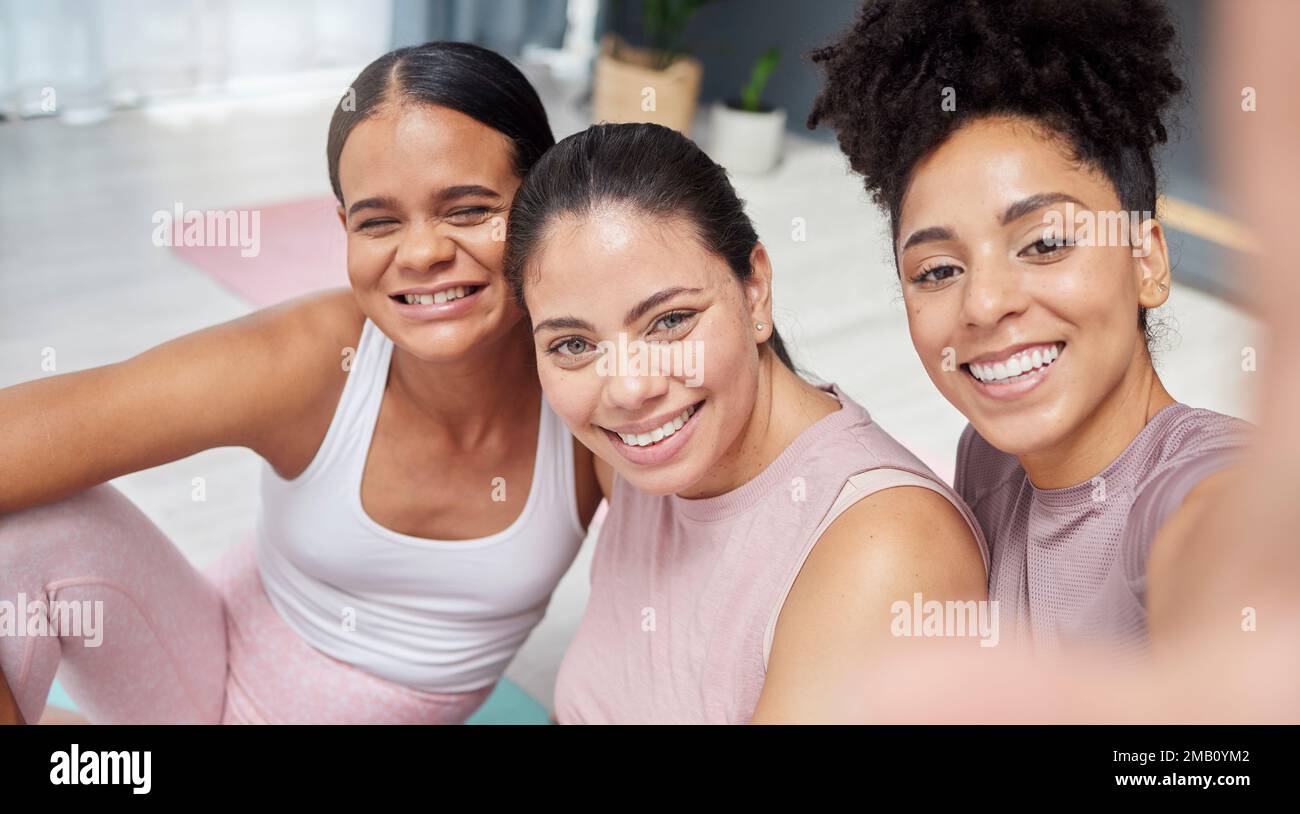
{"x": 660, "y": 83}
{"x": 747, "y": 133}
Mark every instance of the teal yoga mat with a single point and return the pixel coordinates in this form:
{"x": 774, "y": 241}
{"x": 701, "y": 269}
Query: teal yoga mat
{"x": 508, "y": 704}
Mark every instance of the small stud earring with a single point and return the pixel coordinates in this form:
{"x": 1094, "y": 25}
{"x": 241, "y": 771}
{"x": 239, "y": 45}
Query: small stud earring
{"x": 1163, "y": 286}
{"x": 758, "y": 326}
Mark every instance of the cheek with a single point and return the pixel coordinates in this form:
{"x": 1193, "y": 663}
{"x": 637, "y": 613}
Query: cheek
{"x": 572, "y": 395}
{"x": 930, "y": 322}
{"x": 724, "y": 361}
{"x": 484, "y": 246}
{"x": 1094, "y": 291}
{"x": 366, "y": 260}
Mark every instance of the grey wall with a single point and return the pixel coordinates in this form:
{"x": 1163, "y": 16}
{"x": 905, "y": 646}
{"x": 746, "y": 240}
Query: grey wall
{"x": 729, "y": 35}
{"x": 504, "y": 26}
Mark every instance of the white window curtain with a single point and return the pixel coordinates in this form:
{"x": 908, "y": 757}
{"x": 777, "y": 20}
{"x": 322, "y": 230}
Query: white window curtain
{"x": 83, "y": 58}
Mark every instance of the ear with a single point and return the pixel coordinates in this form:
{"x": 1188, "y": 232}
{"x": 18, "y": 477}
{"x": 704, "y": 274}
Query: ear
{"x": 343, "y": 217}
{"x": 1151, "y": 255}
{"x": 758, "y": 293}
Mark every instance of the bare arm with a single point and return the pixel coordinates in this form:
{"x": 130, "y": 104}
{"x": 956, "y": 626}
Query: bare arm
{"x": 241, "y": 383}
{"x": 835, "y": 626}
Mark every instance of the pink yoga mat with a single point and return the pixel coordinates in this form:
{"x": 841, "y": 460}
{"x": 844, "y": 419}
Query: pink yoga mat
{"x": 302, "y": 248}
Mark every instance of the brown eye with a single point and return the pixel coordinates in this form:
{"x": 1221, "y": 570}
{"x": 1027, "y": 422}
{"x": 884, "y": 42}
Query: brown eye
{"x": 1049, "y": 245}
{"x": 471, "y": 216}
{"x": 935, "y": 274}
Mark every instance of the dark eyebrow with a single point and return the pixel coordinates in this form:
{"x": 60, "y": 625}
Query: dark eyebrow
{"x": 928, "y": 234}
{"x": 1014, "y": 213}
{"x": 564, "y": 323}
{"x": 639, "y": 310}
{"x": 444, "y": 195}
{"x": 654, "y": 300}
{"x": 378, "y": 202}
{"x": 465, "y": 191}
{"x": 1021, "y": 208}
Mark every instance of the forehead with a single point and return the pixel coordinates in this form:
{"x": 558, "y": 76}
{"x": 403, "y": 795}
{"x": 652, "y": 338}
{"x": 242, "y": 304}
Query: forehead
{"x": 613, "y": 257}
{"x": 986, "y": 165}
{"x": 410, "y": 141}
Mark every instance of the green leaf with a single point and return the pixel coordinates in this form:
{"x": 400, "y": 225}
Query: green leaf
{"x": 751, "y": 96}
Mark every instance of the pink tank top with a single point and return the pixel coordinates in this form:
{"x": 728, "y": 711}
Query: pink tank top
{"x": 1070, "y": 565}
{"x": 685, "y": 594}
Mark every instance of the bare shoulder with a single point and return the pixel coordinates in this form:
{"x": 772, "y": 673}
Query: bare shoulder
{"x": 309, "y": 341}
{"x": 894, "y": 534}
{"x": 835, "y": 623}
{"x": 330, "y": 316}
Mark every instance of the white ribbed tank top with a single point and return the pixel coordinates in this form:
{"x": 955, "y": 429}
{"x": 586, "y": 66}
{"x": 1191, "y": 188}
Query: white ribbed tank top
{"x": 434, "y": 615}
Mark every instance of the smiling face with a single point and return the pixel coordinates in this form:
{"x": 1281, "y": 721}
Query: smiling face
{"x": 1028, "y": 336}
{"x": 665, "y": 426}
{"x": 426, "y": 191}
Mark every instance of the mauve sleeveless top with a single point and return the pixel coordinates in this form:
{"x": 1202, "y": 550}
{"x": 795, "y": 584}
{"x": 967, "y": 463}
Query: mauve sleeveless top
{"x": 685, "y": 594}
{"x": 1070, "y": 565}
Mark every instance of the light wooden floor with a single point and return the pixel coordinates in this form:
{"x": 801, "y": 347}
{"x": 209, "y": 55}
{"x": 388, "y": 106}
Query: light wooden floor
{"x": 79, "y": 274}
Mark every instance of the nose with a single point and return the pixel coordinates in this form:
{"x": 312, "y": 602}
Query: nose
{"x": 631, "y": 391}
{"x": 424, "y": 247}
{"x": 993, "y": 292}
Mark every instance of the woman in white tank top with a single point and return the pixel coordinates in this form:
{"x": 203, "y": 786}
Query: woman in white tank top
{"x": 420, "y": 498}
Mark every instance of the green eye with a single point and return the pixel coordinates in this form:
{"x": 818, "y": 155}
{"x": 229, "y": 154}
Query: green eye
{"x": 674, "y": 320}
{"x": 565, "y": 347}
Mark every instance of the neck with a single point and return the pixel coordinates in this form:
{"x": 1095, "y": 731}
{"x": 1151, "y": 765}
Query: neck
{"x": 784, "y": 407}
{"x": 466, "y": 396}
{"x": 1105, "y": 434}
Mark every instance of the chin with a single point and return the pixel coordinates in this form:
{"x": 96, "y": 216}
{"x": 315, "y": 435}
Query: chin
{"x": 659, "y": 484}
{"x": 1020, "y": 435}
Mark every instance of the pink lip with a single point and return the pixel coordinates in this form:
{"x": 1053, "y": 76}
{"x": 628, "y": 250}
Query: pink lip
{"x": 656, "y": 453}
{"x": 437, "y": 310}
{"x": 1014, "y": 389}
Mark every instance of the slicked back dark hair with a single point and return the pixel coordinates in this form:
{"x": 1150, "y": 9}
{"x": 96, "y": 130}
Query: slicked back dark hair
{"x": 650, "y": 169}
{"x": 461, "y": 76}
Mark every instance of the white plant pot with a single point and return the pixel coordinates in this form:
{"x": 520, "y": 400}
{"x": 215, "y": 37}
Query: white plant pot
{"x": 743, "y": 141}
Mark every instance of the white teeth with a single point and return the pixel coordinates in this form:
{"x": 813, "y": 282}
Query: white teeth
{"x": 446, "y": 295}
{"x": 1017, "y": 365}
{"x": 658, "y": 434}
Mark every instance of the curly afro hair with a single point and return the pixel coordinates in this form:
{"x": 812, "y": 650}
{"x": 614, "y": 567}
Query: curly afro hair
{"x": 1098, "y": 72}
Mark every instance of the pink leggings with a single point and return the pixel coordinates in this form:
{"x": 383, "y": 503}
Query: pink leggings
{"x": 175, "y": 645}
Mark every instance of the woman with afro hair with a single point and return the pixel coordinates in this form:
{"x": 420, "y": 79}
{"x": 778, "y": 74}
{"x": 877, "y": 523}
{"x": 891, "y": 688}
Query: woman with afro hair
{"x": 1011, "y": 145}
